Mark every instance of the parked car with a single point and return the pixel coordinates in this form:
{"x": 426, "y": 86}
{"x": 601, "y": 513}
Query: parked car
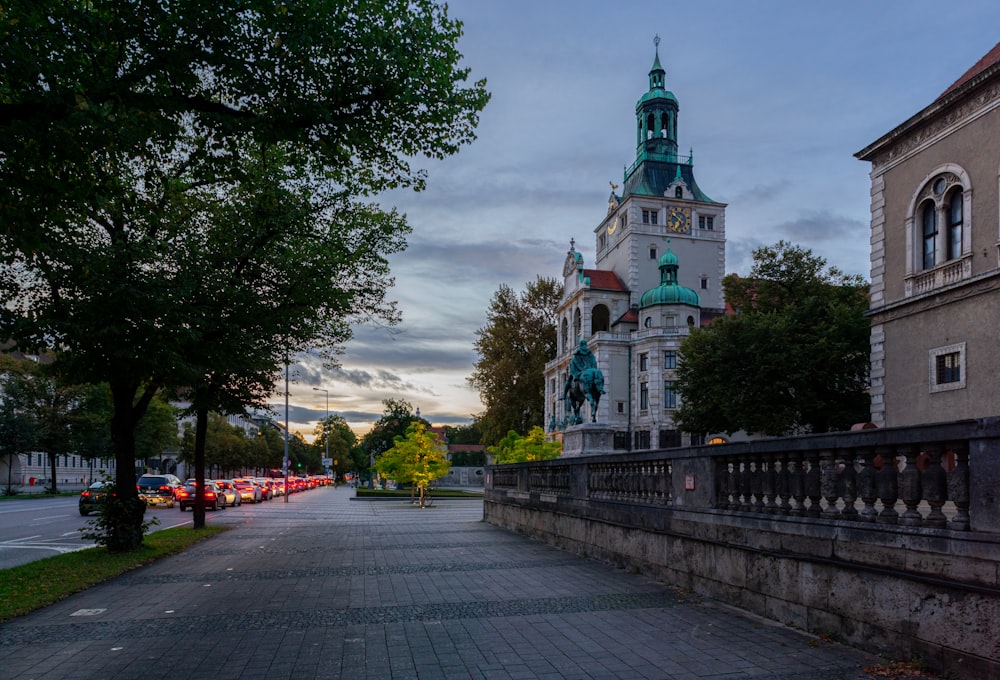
{"x": 214, "y": 499}
{"x": 228, "y": 489}
{"x": 248, "y": 489}
{"x": 158, "y": 489}
{"x": 92, "y": 497}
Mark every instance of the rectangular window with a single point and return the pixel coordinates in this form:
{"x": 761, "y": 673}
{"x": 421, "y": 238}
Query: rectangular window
{"x": 706, "y": 222}
{"x": 949, "y": 368}
{"x": 704, "y": 283}
{"x": 669, "y": 395}
{"x": 621, "y": 407}
{"x": 621, "y": 441}
{"x": 644, "y": 362}
{"x": 652, "y": 252}
{"x": 945, "y": 368}
{"x": 670, "y": 439}
{"x": 643, "y": 396}
{"x": 645, "y": 217}
{"x": 669, "y": 360}
{"x": 642, "y": 439}
{"x": 697, "y": 440}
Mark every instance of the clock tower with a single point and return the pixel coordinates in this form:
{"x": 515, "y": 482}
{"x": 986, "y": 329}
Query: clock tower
{"x": 657, "y": 275}
{"x": 660, "y": 198}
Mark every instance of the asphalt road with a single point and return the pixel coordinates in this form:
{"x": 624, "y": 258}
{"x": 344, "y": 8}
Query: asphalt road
{"x": 33, "y": 528}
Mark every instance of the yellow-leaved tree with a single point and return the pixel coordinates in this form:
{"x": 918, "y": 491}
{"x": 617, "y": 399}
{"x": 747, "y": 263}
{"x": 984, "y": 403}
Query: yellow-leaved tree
{"x": 418, "y": 457}
{"x": 517, "y": 449}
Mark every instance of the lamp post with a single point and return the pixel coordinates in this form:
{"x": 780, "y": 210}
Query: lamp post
{"x": 326, "y": 425}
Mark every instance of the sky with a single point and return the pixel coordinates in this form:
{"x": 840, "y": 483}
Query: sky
{"x": 776, "y": 97}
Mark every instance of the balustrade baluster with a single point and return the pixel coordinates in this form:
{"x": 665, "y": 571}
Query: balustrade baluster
{"x": 722, "y": 483}
{"x": 797, "y": 477}
{"x": 848, "y": 484}
{"x": 934, "y": 482}
{"x": 829, "y": 484}
{"x": 909, "y": 489}
{"x": 888, "y": 487}
{"x": 668, "y": 482}
{"x": 770, "y": 487}
{"x": 958, "y": 487}
{"x": 746, "y": 484}
{"x": 733, "y": 483}
{"x": 757, "y": 485}
{"x": 783, "y": 484}
{"x": 813, "y": 484}
{"x": 868, "y": 485}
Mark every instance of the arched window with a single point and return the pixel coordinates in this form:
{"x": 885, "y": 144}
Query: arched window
{"x": 928, "y": 220}
{"x": 955, "y": 225}
{"x": 565, "y": 335}
{"x": 577, "y": 325}
{"x": 600, "y": 319}
{"x": 650, "y": 124}
{"x": 678, "y": 192}
{"x": 664, "y": 124}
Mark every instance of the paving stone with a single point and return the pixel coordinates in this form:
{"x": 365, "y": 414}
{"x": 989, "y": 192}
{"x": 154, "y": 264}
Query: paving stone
{"x": 329, "y": 587}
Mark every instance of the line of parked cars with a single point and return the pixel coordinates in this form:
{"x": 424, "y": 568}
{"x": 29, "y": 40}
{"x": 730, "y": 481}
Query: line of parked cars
{"x": 168, "y": 490}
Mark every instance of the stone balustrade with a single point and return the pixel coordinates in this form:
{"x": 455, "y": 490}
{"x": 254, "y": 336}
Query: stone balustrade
{"x": 887, "y": 538}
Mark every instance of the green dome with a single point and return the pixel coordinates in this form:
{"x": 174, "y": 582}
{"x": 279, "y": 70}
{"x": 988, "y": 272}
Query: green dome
{"x": 669, "y": 292}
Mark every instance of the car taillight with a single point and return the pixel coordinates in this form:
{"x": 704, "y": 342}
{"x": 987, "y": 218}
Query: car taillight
{"x": 164, "y": 488}
{"x": 86, "y": 494}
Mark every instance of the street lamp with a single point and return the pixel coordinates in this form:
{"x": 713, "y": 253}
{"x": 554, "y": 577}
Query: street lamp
{"x": 326, "y": 425}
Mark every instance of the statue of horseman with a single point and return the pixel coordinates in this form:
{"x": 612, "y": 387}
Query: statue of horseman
{"x": 585, "y": 382}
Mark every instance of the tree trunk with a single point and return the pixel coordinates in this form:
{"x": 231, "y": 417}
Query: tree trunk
{"x": 200, "y": 431}
{"x": 52, "y": 469}
{"x": 125, "y": 527}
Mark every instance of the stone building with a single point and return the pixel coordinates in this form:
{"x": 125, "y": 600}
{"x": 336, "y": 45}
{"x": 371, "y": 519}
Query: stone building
{"x": 660, "y": 259}
{"x": 935, "y": 265}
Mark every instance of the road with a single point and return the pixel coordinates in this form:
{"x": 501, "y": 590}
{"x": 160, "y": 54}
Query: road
{"x": 33, "y": 528}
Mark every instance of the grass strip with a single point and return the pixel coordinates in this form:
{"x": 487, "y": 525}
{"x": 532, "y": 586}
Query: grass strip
{"x": 31, "y": 586}
{"x": 405, "y": 493}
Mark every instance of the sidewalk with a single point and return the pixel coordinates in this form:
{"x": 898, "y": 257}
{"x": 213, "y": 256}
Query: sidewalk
{"x": 326, "y": 587}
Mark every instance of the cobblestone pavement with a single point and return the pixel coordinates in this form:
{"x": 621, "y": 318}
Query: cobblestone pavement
{"x": 327, "y": 587}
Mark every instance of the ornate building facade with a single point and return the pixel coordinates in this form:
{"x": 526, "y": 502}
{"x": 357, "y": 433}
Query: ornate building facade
{"x": 935, "y": 260}
{"x": 660, "y": 259}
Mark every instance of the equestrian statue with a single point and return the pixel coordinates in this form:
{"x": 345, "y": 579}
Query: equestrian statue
{"x": 585, "y": 382}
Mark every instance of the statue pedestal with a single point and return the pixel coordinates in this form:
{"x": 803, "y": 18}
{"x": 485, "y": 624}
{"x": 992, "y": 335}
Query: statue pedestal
{"x": 588, "y": 439}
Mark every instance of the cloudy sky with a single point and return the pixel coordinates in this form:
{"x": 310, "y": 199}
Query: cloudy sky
{"x": 775, "y": 98}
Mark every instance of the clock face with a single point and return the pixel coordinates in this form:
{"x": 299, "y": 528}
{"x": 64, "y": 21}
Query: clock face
{"x": 677, "y": 220}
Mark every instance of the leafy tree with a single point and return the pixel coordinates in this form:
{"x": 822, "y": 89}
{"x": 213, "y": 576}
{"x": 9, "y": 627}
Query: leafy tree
{"x": 129, "y": 126}
{"x": 395, "y": 421}
{"x": 18, "y": 426}
{"x": 157, "y": 431}
{"x": 417, "y": 458}
{"x": 341, "y": 438}
{"x": 793, "y": 359}
{"x": 464, "y": 434}
{"x": 519, "y": 338}
{"x": 517, "y": 449}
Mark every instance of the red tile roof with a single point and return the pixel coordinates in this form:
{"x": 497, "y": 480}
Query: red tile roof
{"x": 991, "y": 58}
{"x": 601, "y": 279}
{"x": 631, "y": 316}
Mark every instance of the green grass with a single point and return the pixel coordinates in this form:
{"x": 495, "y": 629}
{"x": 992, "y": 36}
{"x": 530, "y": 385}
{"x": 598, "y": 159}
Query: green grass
{"x": 32, "y": 586}
{"x": 405, "y": 493}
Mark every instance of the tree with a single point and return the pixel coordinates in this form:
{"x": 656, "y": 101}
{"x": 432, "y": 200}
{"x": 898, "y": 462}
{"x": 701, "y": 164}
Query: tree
{"x": 395, "y": 421}
{"x": 129, "y": 126}
{"x": 517, "y": 449}
{"x": 341, "y": 441}
{"x": 793, "y": 359}
{"x": 519, "y": 338}
{"x": 18, "y": 426}
{"x": 156, "y": 432}
{"x": 418, "y": 458}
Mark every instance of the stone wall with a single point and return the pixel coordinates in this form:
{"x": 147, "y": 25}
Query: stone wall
{"x": 799, "y": 552}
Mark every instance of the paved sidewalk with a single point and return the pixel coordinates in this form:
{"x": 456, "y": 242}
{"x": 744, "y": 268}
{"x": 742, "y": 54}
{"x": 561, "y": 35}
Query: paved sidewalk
{"x": 326, "y": 587}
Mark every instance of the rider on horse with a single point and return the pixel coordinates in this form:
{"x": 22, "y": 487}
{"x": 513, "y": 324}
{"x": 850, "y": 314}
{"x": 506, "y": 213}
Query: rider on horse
{"x": 585, "y": 381}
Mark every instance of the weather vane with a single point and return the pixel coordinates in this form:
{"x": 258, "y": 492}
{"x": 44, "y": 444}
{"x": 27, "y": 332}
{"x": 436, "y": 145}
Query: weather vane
{"x": 656, "y": 41}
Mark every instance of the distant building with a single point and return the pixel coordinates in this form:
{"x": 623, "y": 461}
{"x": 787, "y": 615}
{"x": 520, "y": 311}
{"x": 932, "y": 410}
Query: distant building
{"x": 660, "y": 260}
{"x": 935, "y": 265}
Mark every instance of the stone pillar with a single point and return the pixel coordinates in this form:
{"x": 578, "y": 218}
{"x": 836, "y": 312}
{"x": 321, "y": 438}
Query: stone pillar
{"x": 588, "y": 439}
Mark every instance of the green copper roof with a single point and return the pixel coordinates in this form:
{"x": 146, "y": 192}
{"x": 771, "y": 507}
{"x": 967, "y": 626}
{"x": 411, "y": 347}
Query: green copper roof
{"x": 652, "y": 178}
{"x": 669, "y": 292}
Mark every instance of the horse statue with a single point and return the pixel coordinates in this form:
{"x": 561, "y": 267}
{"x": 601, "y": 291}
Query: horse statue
{"x": 588, "y": 387}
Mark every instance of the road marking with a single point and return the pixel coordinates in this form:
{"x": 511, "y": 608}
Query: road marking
{"x": 27, "y": 538}
{"x": 88, "y": 612}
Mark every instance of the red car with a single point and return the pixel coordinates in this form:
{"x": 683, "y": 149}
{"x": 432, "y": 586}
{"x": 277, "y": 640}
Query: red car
{"x": 214, "y": 500}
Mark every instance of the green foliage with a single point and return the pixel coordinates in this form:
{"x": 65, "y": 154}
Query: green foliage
{"x": 464, "y": 434}
{"x": 517, "y": 449}
{"x": 342, "y": 441}
{"x": 119, "y": 524}
{"x": 417, "y": 458}
{"x": 793, "y": 359}
{"x": 519, "y": 338}
{"x": 178, "y": 183}
{"x": 395, "y": 421}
